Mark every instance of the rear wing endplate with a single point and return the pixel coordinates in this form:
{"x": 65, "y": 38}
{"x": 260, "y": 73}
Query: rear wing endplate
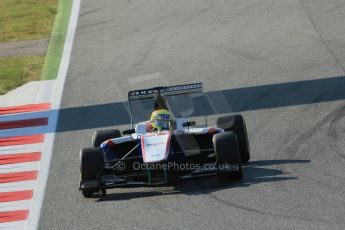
{"x": 166, "y": 90}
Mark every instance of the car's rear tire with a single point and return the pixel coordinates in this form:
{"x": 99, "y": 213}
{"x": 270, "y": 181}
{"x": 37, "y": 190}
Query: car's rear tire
{"x": 100, "y": 136}
{"x": 227, "y": 152}
{"x": 91, "y": 166}
{"x": 237, "y": 124}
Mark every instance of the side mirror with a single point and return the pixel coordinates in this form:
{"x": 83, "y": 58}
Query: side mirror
{"x": 128, "y": 131}
{"x": 188, "y": 123}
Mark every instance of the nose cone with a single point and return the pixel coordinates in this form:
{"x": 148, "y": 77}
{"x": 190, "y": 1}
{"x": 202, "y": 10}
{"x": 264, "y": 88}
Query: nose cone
{"x": 155, "y": 147}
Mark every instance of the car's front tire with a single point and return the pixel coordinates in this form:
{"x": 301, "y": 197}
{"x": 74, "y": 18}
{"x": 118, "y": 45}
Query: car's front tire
{"x": 91, "y": 166}
{"x": 88, "y": 193}
{"x": 227, "y": 154}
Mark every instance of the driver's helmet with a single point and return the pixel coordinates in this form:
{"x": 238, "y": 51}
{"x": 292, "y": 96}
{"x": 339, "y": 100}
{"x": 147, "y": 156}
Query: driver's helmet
{"x": 161, "y": 119}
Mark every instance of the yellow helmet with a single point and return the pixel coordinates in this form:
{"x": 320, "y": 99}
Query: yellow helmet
{"x": 161, "y": 119}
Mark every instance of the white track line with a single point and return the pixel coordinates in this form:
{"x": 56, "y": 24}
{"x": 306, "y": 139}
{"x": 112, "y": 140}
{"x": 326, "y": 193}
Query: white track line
{"x": 23, "y": 131}
{"x": 30, "y": 148}
{"x": 56, "y": 102}
{"x": 24, "y": 116}
{"x": 18, "y": 186}
{"x": 19, "y": 167}
{"x": 13, "y": 225}
{"x": 15, "y": 205}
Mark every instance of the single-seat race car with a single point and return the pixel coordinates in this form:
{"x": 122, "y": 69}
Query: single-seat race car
{"x": 178, "y": 148}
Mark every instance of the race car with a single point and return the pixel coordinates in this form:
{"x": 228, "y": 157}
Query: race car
{"x": 177, "y": 148}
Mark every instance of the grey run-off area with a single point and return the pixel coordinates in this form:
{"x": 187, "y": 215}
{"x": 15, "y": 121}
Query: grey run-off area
{"x": 280, "y": 63}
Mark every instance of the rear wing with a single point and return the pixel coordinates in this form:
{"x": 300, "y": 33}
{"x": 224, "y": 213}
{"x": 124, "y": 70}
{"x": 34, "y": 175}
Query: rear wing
{"x": 166, "y": 90}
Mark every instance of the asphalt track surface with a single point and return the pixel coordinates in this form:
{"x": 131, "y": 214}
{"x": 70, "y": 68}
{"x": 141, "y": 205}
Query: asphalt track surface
{"x": 278, "y": 62}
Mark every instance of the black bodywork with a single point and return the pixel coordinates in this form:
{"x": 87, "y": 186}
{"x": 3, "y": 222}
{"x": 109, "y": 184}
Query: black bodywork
{"x": 188, "y": 149}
